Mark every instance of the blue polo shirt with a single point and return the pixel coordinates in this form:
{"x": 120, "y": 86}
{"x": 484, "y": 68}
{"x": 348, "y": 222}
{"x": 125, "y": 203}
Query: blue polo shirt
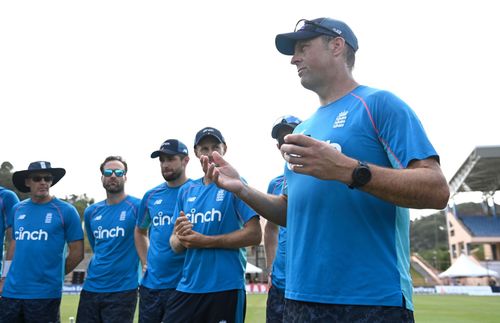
{"x": 156, "y": 213}
{"x": 278, "y": 270}
{"x": 212, "y": 211}
{"x": 346, "y": 246}
{"x": 41, "y": 232}
{"x": 110, "y": 230}
{"x": 7, "y": 201}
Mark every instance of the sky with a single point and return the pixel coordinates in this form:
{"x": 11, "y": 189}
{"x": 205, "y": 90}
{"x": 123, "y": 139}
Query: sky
{"x": 82, "y": 80}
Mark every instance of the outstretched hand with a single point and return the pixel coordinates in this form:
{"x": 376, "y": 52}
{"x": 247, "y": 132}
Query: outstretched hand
{"x": 222, "y": 173}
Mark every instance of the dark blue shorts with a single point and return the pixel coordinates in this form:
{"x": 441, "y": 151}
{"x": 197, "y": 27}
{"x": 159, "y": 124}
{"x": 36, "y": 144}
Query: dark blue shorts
{"x": 153, "y": 304}
{"x": 298, "y": 312}
{"x": 227, "y": 306}
{"x": 107, "y": 307}
{"x": 15, "y": 310}
{"x": 275, "y": 305}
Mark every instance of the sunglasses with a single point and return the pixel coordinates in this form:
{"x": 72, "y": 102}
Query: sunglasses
{"x": 47, "y": 178}
{"x": 304, "y": 24}
{"x": 118, "y": 172}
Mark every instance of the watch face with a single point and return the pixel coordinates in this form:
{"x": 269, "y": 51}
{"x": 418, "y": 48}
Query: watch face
{"x": 363, "y": 175}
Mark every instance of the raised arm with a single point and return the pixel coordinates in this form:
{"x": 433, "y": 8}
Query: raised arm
{"x": 421, "y": 185}
{"x": 271, "y": 207}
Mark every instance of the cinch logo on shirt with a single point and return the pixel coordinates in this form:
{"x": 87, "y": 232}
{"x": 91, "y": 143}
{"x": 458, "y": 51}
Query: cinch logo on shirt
{"x": 31, "y": 235}
{"x": 115, "y": 232}
{"x": 161, "y": 219}
{"x": 209, "y": 216}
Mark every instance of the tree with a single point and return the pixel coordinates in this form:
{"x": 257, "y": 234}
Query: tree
{"x": 6, "y": 179}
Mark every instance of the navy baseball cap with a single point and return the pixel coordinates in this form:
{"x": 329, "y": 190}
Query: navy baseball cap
{"x": 208, "y": 131}
{"x": 307, "y": 29}
{"x": 171, "y": 147}
{"x": 287, "y": 121}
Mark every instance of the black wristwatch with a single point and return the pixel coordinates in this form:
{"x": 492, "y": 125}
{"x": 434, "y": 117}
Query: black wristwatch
{"x": 361, "y": 175}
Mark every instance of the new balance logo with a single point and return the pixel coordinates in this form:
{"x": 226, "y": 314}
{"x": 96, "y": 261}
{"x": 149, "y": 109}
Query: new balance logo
{"x": 31, "y": 235}
{"x": 97, "y": 218}
{"x": 158, "y": 202}
{"x": 22, "y": 217}
{"x": 191, "y": 199}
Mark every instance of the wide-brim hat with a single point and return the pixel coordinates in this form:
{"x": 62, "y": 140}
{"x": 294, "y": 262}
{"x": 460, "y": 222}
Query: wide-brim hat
{"x": 19, "y": 178}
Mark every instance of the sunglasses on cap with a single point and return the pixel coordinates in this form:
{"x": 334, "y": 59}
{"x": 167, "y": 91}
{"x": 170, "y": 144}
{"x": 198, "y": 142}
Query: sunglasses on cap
{"x": 38, "y": 178}
{"x": 118, "y": 172}
{"x": 304, "y": 24}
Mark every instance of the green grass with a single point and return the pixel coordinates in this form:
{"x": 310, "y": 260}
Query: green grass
{"x": 428, "y": 308}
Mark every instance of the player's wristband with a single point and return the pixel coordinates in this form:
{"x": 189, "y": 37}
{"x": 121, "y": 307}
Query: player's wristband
{"x": 6, "y": 267}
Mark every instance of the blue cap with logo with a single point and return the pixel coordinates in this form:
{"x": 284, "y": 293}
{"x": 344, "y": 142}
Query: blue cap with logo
{"x": 307, "y": 29}
{"x": 208, "y": 131}
{"x": 287, "y": 121}
{"x": 170, "y": 147}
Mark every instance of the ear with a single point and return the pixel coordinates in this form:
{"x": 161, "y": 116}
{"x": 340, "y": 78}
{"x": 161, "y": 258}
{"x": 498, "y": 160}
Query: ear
{"x": 225, "y": 150}
{"x": 337, "y": 45}
{"x": 185, "y": 160}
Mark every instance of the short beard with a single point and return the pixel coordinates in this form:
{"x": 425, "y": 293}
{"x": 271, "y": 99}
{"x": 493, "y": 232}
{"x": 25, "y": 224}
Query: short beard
{"x": 115, "y": 189}
{"x": 174, "y": 176}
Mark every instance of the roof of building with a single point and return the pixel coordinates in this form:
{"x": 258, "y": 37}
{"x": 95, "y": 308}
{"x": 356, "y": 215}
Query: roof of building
{"x": 482, "y": 225}
{"x": 479, "y": 173}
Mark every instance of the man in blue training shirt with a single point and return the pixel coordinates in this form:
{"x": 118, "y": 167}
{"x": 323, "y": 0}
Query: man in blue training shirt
{"x": 213, "y": 227}
{"x": 7, "y": 201}
{"x": 109, "y": 292}
{"x": 353, "y": 170}
{"x": 275, "y": 236}
{"x": 42, "y": 226}
{"x": 162, "y": 267}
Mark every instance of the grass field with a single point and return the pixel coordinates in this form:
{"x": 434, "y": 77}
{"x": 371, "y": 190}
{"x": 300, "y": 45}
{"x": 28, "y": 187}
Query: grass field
{"x": 428, "y": 308}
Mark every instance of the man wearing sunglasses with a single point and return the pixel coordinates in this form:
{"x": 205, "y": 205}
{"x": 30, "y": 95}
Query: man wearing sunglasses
{"x": 212, "y": 227}
{"x": 109, "y": 292}
{"x": 353, "y": 170}
{"x": 42, "y": 225}
{"x": 162, "y": 267}
{"x": 275, "y": 235}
